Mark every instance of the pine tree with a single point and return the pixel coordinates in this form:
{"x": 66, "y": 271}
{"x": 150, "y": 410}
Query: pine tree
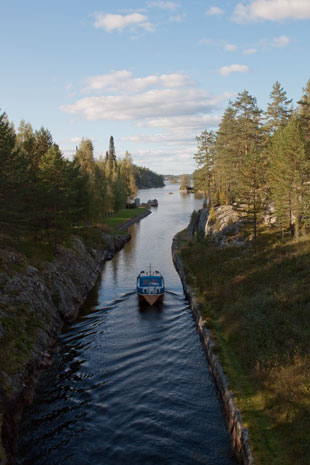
{"x": 227, "y": 157}
{"x": 289, "y": 174}
{"x": 84, "y": 157}
{"x": 25, "y": 142}
{"x": 51, "y": 175}
{"x": 248, "y": 117}
{"x": 250, "y": 193}
{"x": 9, "y": 185}
{"x": 278, "y": 110}
{"x": 304, "y": 110}
{"x": 204, "y": 176}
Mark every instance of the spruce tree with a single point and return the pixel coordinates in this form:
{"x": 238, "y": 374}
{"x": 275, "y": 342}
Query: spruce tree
{"x": 111, "y": 153}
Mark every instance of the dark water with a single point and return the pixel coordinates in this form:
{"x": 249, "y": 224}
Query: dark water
{"x": 130, "y": 385}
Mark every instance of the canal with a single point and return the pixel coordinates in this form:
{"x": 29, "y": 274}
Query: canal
{"x": 130, "y": 385}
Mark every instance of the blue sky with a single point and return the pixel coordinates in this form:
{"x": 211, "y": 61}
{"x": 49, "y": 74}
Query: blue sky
{"x": 153, "y": 74}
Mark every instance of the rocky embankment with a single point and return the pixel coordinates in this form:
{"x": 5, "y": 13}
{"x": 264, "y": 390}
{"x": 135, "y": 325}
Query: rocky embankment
{"x": 222, "y": 224}
{"x": 219, "y": 227}
{"x": 35, "y": 303}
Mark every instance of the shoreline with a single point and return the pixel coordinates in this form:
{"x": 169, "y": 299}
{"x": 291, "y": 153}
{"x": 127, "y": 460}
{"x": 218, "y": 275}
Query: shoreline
{"x": 235, "y": 425}
{"x": 54, "y": 295}
{"x": 135, "y": 219}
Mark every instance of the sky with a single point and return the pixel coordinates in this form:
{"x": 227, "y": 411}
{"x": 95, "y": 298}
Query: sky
{"x": 152, "y": 74}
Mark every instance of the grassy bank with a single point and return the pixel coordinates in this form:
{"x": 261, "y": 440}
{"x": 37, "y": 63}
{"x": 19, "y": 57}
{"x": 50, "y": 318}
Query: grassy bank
{"x": 39, "y": 247}
{"x": 120, "y": 217}
{"x": 257, "y": 303}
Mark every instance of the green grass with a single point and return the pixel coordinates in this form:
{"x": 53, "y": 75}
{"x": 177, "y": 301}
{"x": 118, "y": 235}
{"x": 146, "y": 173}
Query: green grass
{"x": 120, "y": 217}
{"x": 39, "y": 247}
{"x": 257, "y": 303}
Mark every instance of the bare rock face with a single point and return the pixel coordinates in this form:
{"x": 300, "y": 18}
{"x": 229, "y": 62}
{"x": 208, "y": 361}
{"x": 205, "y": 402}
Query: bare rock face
{"x": 198, "y": 222}
{"x": 34, "y": 305}
{"x": 223, "y": 217}
{"x": 269, "y": 217}
{"x": 224, "y": 226}
{"x": 71, "y": 276}
{"x": 203, "y": 219}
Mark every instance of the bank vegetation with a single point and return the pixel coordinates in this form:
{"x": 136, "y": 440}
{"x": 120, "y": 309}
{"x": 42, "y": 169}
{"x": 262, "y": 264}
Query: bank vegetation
{"x": 255, "y": 295}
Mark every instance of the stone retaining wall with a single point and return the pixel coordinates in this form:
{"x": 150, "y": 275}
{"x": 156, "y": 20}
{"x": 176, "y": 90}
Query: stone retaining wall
{"x": 239, "y": 434}
{"x": 134, "y": 220}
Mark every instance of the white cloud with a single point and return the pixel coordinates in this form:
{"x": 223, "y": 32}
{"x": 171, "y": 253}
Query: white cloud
{"x": 168, "y": 110}
{"x": 214, "y": 10}
{"x": 167, "y": 160}
{"x": 163, "y": 5}
{"x": 153, "y": 103}
{"x": 124, "y": 81}
{"x": 272, "y": 10}
{"x": 281, "y": 41}
{"x": 230, "y": 47}
{"x": 250, "y": 51}
{"x": 188, "y": 121}
{"x": 227, "y": 70}
{"x": 167, "y": 139}
{"x": 111, "y": 22}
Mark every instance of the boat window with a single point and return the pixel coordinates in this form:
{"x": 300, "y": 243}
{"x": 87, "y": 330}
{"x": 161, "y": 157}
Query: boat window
{"x": 151, "y": 281}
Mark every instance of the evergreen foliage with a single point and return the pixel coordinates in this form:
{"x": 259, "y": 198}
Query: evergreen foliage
{"x": 278, "y": 110}
{"x": 257, "y": 161}
{"x": 205, "y": 159}
{"x": 43, "y": 195}
{"x": 146, "y": 178}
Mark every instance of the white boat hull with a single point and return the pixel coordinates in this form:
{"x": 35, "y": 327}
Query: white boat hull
{"x": 151, "y": 299}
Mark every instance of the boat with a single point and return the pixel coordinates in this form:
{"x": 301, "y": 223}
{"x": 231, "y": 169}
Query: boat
{"x": 153, "y": 203}
{"x": 150, "y": 286}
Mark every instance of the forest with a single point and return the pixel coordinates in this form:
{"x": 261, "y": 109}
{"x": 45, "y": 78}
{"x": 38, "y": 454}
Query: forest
{"x": 259, "y": 161}
{"x": 43, "y": 194}
{"x": 254, "y": 296}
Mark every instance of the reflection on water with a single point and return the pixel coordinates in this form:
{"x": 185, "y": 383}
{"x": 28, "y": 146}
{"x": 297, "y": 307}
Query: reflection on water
{"x": 130, "y": 384}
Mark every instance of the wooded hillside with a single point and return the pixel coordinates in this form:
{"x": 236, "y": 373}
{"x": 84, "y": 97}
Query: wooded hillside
{"x": 260, "y": 160}
{"x": 43, "y": 195}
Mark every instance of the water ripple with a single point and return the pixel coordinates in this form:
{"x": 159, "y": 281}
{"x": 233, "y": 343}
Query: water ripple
{"x": 130, "y": 384}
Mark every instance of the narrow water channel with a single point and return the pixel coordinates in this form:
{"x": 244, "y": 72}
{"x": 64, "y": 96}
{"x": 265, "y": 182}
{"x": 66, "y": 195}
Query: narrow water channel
{"x": 130, "y": 385}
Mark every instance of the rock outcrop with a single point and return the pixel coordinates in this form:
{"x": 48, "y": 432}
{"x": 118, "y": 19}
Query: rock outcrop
{"x": 221, "y": 223}
{"x": 198, "y": 222}
{"x": 35, "y": 303}
{"x": 223, "y": 216}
